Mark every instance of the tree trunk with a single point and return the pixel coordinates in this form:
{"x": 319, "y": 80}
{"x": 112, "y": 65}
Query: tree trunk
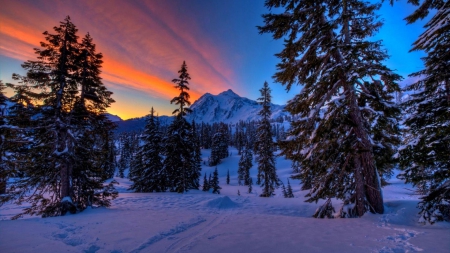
{"x": 372, "y": 189}
{"x": 359, "y": 191}
{"x": 65, "y": 181}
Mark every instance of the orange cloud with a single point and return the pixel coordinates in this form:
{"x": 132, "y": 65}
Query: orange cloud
{"x": 119, "y": 73}
{"x": 143, "y": 43}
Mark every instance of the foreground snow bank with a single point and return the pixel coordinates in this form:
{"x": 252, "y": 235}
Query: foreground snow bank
{"x": 203, "y": 222}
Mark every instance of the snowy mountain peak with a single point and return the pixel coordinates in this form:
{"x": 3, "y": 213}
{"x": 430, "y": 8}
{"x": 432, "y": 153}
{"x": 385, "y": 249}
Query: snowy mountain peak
{"x": 229, "y": 93}
{"x": 228, "y": 107}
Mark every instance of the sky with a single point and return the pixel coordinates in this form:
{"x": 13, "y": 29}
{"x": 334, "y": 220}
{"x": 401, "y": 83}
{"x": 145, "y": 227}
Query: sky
{"x": 144, "y": 44}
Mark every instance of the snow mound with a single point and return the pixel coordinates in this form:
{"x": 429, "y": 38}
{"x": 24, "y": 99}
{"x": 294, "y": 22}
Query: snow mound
{"x": 222, "y": 203}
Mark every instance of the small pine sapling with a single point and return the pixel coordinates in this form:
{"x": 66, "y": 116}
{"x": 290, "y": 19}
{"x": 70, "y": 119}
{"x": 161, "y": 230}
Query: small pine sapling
{"x": 283, "y": 190}
{"x": 205, "y": 184}
{"x": 289, "y": 193}
{"x": 215, "y": 182}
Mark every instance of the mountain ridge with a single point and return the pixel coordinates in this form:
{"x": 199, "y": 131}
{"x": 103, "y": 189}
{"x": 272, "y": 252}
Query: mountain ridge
{"x": 227, "y": 107}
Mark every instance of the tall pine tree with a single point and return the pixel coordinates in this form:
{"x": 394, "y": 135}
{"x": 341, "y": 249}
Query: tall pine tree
{"x": 327, "y": 50}
{"x": 267, "y": 174}
{"x": 179, "y": 149}
{"x": 146, "y": 171}
{"x": 424, "y": 157}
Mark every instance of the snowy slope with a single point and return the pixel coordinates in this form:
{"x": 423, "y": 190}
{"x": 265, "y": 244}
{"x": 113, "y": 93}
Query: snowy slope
{"x": 203, "y": 222}
{"x": 113, "y": 118}
{"x": 228, "y": 107}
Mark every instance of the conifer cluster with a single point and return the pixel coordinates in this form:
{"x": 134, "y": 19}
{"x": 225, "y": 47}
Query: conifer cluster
{"x": 65, "y": 137}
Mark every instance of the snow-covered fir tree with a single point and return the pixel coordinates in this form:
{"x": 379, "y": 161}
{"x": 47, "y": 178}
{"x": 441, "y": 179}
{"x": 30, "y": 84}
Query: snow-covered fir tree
{"x": 219, "y": 146}
{"x": 206, "y": 185}
{"x": 239, "y": 138}
{"x": 328, "y": 51}
{"x": 214, "y": 183}
{"x": 64, "y": 162}
{"x": 250, "y": 185}
{"x": 15, "y": 119}
{"x": 146, "y": 170}
{"x": 267, "y": 175}
{"x": 196, "y": 165}
{"x": 245, "y": 163}
{"x": 283, "y": 190}
{"x": 5, "y": 171}
{"x": 289, "y": 192}
{"x": 425, "y": 156}
{"x": 179, "y": 149}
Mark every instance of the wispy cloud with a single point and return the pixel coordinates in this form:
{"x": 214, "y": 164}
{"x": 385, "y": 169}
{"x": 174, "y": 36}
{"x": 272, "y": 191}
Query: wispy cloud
{"x": 143, "y": 43}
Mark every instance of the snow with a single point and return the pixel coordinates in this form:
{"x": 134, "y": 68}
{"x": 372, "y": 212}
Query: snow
{"x": 200, "y": 221}
{"x": 228, "y": 107}
{"x": 113, "y": 118}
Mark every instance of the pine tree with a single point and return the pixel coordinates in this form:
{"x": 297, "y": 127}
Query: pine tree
{"x": 289, "y": 193}
{"x": 327, "y": 50}
{"x": 68, "y": 127}
{"x": 206, "y": 185}
{"x": 424, "y": 156}
{"x": 196, "y": 166}
{"x": 283, "y": 190}
{"x": 14, "y": 137}
{"x": 245, "y": 164}
{"x": 267, "y": 175}
{"x": 146, "y": 170}
{"x": 228, "y": 176}
{"x": 215, "y": 182}
{"x": 219, "y": 146}
{"x": 5, "y": 169}
{"x": 179, "y": 150}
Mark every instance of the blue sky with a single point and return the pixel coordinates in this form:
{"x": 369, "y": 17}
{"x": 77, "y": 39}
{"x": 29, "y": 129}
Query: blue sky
{"x": 145, "y": 43}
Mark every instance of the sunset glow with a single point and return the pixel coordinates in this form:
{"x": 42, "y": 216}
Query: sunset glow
{"x": 145, "y": 42}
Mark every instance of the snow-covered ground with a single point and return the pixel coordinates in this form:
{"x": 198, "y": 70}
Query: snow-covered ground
{"x": 203, "y": 222}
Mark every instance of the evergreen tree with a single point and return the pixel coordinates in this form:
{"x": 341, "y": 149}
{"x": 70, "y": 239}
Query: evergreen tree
{"x": 283, "y": 190}
{"x": 289, "y": 193}
{"x": 206, "y": 185}
{"x": 219, "y": 147}
{"x": 228, "y": 176}
{"x": 327, "y": 50}
{"x": 424, "y": 157}
{"x": 5, "y": 135}
{"x": 63, "y": 164}
{"x": 146, "y": 170}
{"x": 179, "y": 150}
{"x": 245, "y": 163}
{"x": 197, "y": 159}
{"x": 267, "y": 175}
{"x": 248, "y": 164}
{"x": 215, "y": 182}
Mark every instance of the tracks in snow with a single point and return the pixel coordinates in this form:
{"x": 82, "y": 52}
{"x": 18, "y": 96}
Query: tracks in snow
{"x": 183, "y": 236}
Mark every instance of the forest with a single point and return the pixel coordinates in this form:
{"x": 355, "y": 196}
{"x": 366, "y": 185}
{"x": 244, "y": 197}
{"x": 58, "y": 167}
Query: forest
{"x": 347, "y": 134}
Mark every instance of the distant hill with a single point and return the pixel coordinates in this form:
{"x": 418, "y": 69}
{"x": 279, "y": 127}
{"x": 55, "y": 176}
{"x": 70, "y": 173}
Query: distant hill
{"x": 138, "y": 124}
{"x": 113, "y": 118}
